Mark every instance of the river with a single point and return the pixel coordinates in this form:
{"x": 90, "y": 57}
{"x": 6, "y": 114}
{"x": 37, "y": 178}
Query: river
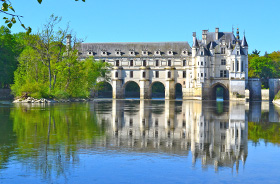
{"x": 140, "y": 141}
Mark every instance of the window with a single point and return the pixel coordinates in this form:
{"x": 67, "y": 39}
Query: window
{"x": 117, "y": 62}
{"x": 131, "y": 63}
{"x": 144, "y": 63}
{"x": 184, "y": 62}
{"x": 144, "y": 74}
{"x": 201, "y": 74}
{"x": 104, "y": 53}
{"x": 223, "y": 73}
{"x": 223, "y": 62}
{"x": 204, "y": 74}
{"x": 156, "y": 122}
{"x": 184, "y": 123}
{"x": 201, "y": 53}
{"x": 184, "y": 74}
{"x": 157, "y": 74}
{"x": 237, "y": 66}
{"x": 198, "y": 63}
{"x": 237, "y": 53}
{"x": 233, "y": 66}
{"x": 130, "y": 122}
{"x": 201, "y": 63}
{"x": 242, "y": 67}
{"x": 223, "y": 50}
{"x": 116, "y": 74}
{"x": 169, "y": 62}
{"x": 131, "y": 74}
{"x": 169, "y": 52}
{"x": 157, "y": 63}
{"x": 169, "y": 74}
{"x": 89, "y": 52}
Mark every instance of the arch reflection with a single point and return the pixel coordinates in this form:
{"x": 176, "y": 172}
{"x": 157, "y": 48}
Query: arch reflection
{"x": 214, "y": 139}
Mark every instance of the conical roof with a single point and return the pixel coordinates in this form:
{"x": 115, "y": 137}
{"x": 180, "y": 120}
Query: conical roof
{"x": 244, "y": 42}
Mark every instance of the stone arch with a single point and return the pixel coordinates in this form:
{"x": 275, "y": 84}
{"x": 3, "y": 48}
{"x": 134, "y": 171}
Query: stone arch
{"x": 217, "y": 86}
{"x": 105, "y": 90}
{"x": 178, "y": 91}
{"x": 157, "y": 89}
{"x": 131, "y": 89}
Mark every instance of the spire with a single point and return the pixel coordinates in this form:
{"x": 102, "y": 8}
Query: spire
{"x": 244, "y": 42}
{"x": 195, "y": 42}
{"x": 211, "y": 46}
{"x": 230, "y": 45}
{"x": 237, "y": 34}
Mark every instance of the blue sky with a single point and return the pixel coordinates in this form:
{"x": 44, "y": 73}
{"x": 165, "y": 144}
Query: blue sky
{"x": 158, "y": 20}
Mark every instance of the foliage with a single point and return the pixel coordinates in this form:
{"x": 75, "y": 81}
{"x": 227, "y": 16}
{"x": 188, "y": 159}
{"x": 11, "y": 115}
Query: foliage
{"x": 10, "y": 49}
{"x": 277, "y": 96}
{"x": 11, "y": 17}
{"x": 256, "y": 52}
{"x": 270, "y": 132}
{"x": 48, "y": 68}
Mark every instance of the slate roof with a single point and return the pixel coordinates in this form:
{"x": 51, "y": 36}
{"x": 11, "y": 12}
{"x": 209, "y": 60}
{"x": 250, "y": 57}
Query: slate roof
{"x": 138, "y": 47}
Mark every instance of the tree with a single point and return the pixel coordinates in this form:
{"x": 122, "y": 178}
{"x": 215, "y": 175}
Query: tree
{"x": 256, "y": 52}
{"x": 10, "y": 49}
{"x": 48, "y": 68}
{"x": 11, "y": 16}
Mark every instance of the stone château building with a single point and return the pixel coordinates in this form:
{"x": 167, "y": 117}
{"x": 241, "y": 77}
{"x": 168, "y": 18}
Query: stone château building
{"x": 219, "y": 59}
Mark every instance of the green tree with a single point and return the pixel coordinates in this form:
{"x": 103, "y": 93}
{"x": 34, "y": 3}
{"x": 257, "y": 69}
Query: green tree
{"x": 10, "y": 49}
{"x": 263, "y": 67}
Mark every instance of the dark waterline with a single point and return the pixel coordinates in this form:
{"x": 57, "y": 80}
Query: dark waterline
{"x": 139, "y": 141}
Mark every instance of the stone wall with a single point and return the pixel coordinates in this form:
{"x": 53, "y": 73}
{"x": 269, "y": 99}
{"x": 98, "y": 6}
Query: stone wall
{"x": 255, "y": 89}
{"x": 274, "y": 87}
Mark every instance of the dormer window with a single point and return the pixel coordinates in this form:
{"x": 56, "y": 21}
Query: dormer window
{"x": 118, "y": 53}
{"x": 184, "y": 52}
{"x": 90, "y": 53}
{"x": 131, "y": 52}
{"x": 170, "y": 52}
{"x": 104, "y": 53}
{"x": 223, "y": 50}
{"x": 201, "y": 53}
{"x": 157, "y": 53}
{"x": 144, "y": 52}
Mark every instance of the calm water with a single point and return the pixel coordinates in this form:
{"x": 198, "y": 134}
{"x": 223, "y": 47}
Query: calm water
{"x": 132, "y": 141}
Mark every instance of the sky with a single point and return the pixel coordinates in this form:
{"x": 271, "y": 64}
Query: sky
{"x": 158, "y": 20}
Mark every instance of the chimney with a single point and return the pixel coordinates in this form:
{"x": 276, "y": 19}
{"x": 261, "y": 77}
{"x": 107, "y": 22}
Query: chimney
{"x": 217, "y": 33}
{"x": 68, "y": 41}
{"x": 204, "y": 36}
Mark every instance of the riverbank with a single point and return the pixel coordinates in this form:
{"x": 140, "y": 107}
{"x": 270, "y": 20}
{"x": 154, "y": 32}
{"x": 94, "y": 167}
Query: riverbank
{"x": 276, "y": 102}
{"x": 43, "y": 100}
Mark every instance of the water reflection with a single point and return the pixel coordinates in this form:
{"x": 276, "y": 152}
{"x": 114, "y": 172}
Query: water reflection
{"x": 50, "y": 139}
{"x": 216, "y": 134}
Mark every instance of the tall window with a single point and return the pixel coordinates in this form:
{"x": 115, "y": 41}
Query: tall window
{"x": 131, "y": 74}
{"x": 116, "y": 74}
{"x": 157, "y": 74}
{"x": 117, "y": 63}
{"x": 237, "y": 66}
{"x": 131, "y": 63}
{"x": 144, "y": 63}
{"x": 223, "y": 73}
{"x": 169, "y": 62}
{"x": 232, "y": 66}
{"x": 223, "y": 50}
{"x": 242, "y": 67}
{"x": 184, "y": 74}
{"x": 157, "y": 63}
{"x": 169, "y": 74}
{"x": 184, "y": 62}
{"x": 223, "y": 62}
{"x": 144, "y": 74}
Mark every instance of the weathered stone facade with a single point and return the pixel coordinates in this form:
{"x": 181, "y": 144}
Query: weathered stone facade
{"x": 219, "y": 59}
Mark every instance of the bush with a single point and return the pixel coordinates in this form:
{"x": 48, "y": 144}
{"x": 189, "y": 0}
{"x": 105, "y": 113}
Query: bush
{"x": 277, "y": 96}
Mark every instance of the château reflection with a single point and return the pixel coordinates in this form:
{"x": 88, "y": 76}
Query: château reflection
{"x": 215, "y": 134}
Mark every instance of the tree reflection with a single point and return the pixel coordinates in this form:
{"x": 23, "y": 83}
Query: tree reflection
{"x": 49, "y": 137}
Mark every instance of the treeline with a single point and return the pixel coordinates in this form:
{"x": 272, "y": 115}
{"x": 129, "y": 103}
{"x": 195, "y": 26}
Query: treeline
{"x": 41, "y": 65}
{"x": 264, "y": 67}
